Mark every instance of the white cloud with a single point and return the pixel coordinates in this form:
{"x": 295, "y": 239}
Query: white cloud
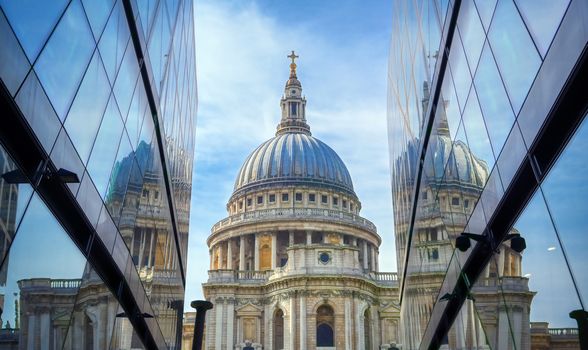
{"x": 242, "y": 68}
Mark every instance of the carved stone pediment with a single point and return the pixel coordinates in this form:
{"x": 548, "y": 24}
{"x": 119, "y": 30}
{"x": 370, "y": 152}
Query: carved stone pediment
{"x": 249, "y": 310}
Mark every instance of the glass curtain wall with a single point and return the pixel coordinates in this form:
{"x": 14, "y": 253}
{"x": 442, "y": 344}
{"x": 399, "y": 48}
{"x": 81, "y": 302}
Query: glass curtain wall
{"x": 108, "y": 92}
{"x": 453, "y": 161}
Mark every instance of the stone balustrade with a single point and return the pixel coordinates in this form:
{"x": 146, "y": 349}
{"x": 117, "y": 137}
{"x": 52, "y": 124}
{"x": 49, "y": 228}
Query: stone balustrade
{"x": 295, "y": 213}
{"x": 261, "y": 277}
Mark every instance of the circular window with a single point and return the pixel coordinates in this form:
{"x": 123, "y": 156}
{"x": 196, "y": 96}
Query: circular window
{"x": 324, "y": 257}
{"x": 293, "y": 92}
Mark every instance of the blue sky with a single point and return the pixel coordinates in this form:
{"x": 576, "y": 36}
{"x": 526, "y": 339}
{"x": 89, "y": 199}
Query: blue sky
{"x": 242, "y": 67}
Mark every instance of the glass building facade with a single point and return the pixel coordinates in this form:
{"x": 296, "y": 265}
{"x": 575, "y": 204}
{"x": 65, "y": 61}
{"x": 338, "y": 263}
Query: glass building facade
{"x": 488, "y": 136}
{"x": 98, "y": 103}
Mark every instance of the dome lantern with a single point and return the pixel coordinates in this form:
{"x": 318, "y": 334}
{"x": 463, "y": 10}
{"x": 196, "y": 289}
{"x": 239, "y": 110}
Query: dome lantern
{"x": 293, "y": 105}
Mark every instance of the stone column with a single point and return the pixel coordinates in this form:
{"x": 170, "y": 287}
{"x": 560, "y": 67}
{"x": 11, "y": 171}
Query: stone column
{"x": 229, "y": 255}
{"x": 308, "y": 237}
{"x": 302, "y": 345}
{"x": 274, "y": 250}
{"x": 211, "y": 254}
{"x": 31, "y": 333}
{"x": 220, "y": 255}
{"x": 230, "y": 324}
{"x": 348, "y": 330}
{"x": 45, "y": 329}
{"x": 365, "y": 255}
{"x": 256, "y": 253}
{"x": 373, "y": 256}
{"x": 290, "y": 238}
{"x": 242, "y": 253}
{"x": 292, "y": 324}
{"x": 218, "y": 332}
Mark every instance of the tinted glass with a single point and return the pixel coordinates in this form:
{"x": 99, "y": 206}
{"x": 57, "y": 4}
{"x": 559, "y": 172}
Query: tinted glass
{"x": 114, "y": 41}
{"x": 13, "y": 63}
{"x": 65, "y": 58}
{"x": 33, "y": 21}
{"x": 86, "y": 112}
{"x": 515, "y": 53}
{"x": 97, "y": 11}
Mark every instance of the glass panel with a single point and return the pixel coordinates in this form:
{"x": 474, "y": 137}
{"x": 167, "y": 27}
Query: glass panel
{"x": 460, "y": 72}
{"x": 114, "y": 41}
{"x": 136, "y": 114}
{"x": 32, "y": 21}
{"x": 478, "y": 141}
{"x": 119, "y": 178}
{"x": 104, "y": 151}
{"x": 64, "y": 59}
{"x": 13, "y": 63}
{"x": 98, "y": 11}
{"x": 126, "y": 80}
{"x": 566, "y": 193}
{"x": 14, "y": 198}
{"x": 89, "y": 200}
{"x": 146, "y": 12}
{"x": 509, "y": 162}
{"x": 544, "y": 265}
{"x": 542, "y": 18}
{"x": 486, "y": 10}
{"x": 33, "y": 286}
{"x": 94, "y": 314}
{"x": 514, "y": 51}
{"x": 493, "y": 100}
{"x": 86, "y": 112}
{"x": 450, "y": 105}
{"x": 471, "y": 32}
{"x": 64, "y": 156}
{"x": 38, "y": 111}
{"x": 159, "y": 45}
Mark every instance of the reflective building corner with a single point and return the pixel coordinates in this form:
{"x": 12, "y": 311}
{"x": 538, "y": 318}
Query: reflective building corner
{"x": 487, "y": 138}
{"x": 98, "y": 102}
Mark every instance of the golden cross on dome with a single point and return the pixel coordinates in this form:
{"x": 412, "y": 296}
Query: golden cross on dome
{"x": 293, "y": 56}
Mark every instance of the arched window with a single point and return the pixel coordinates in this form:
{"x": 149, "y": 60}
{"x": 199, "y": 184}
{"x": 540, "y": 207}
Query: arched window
{"x": 279, "y": 329}
{"x": 325, "y": 321}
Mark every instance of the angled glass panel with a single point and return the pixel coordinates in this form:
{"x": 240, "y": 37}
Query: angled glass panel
{"x": 494, "y": 102}
{"x": 159, "y": 44}
{"x": 33, "y": 21}
{"x": 471, "y": 32}
{"x": 114, "y": 41}
{"x": 450, "y": 104}
{"x": 65, "y": 156}
{"x": 124, "y": 335}
{"x": 486, "y": 10}
{"x": 15, "y": 193}
{"x": 136, "y": 114}
{"x": 544, "y": 266}
{"x": 542, "y": 18}
{"x": 94, "y": 314}
{"x": 515, "y": 53}
{"x": 126, "y": 80}
{"x": 146, "y": 13}
{"x": 37, "y": 109}
{"x": 510, "y": 160}
{"x": 566, "y": 193}
{"x": 97, "y": 12}
{"x": 119, "y": 178}
{"x": 13, "y": 62}
{"x": 478, "y": 140}
{"x": 460, "y": 72}
{"x": 86, "y": 112}
{"x": 65, "y": 57}
{"x": 104, "y": 151}
{"x": 89, "y": 199}
{"x": 39, "y": 294}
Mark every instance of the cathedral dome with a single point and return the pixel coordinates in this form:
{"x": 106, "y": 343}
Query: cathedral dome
{"x": 294, "y": 158}
{"x": 458, "y": 167}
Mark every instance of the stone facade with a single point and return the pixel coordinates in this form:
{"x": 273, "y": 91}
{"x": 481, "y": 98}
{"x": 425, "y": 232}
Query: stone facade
{"x": 295, "y": 266}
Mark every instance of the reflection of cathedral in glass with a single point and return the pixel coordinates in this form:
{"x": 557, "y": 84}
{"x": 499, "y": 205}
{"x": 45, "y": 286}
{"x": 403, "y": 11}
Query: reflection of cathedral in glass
{"x": 452, "y": 182}
{"x": 295, "y": 266}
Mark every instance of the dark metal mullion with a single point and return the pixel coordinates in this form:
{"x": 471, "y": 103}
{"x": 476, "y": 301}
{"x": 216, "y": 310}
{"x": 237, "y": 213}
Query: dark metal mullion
{"x": 149, "y": 90}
